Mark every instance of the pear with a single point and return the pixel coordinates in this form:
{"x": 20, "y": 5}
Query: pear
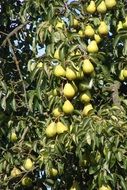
{"x": 121, "y": 76}
{"x": 59, "y": 71}
{"x": 110, "y": 3}
{"x": 28, "y": 164}
{"x": 69, "y": 90}
{"x": 102, "y": 7}
{"x": 125, "y": 73}
{"x": 40, "y": 65}
{"x": 78, "y": 52}
{"x": 119, "y": 26}
{"x": 92, "y": 47}
{"x": 91, "y": 7}
{"x": 56, "y": 112}
{"x": 15, "y": 172}
{"x": 51, "y": 130}
{"x": 97, "y": 38}
{"x": 26, "y": 181}
{"x": 59, "y": 25}
{"x": 67, "y": 107}
{"x": 87, "y": 66}
{"x": 87, "y": 109}
{"x": 53, "y": 172}
{"x": 125, "y": 23}
{"x": 89, "y": 31}
{"x": 57, "y": 54}
{"x": 75, "y": 22}
{"x": 85, "y": 97}
{"x": 13, "y": 137}
{"x": 60, "y": 127}
{"x": 70, "y": 74}
{"x": 103, "y": 187}
{"x": 81, "y": 33}
{"x": 103, "y": 28}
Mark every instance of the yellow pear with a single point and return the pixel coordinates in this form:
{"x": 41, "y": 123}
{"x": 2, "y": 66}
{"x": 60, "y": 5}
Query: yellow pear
{"x": 51, "y": 130}
{"x": 70, "y": 74}
{"x": 91, "y": 7}
{"x": 26, "y": 181}
{"x": 110, "y": 3}
{"x": 69, "y": 90}
{"x": 119, "y": 26}
{"x": 15, "y": 172}
{"x": 39, "y": 65}
{"x": 125, "y": 73}
{"x": 57, "y": 54}
{"x": 125, "y": 23}
{"x": 103, "y": 187}
{"x": 102, "y": 7}
{"x": 56, "y": 112}
{"x": 28, "y": 164}
{"x": 97, "y": 38}
{"x": 92, "y": 47}
{"x": 60, "y": 127}
{"x": 87, "y": 66}
{"x": 103, "y": 28}
{"x": 85, "y": 97}
{"x": 13, "y": 137}
{"x": 78, "y": 52}
{"x": 53, "y": 172}
{"x": 89, "y": 31}
{"x": 67, "y": 107}
{"x": 81, "y": 33}
{"x": 121, "y": 76}
{"x": 59, "y": 25}
{"x": 59, "y": 71}
{"x": 87, "y": 109}
{"x": 75, "y": 22}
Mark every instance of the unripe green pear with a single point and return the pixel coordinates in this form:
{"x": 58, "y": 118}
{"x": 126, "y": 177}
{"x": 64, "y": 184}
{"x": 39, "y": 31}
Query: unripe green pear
{"x": 68, "y": 107}
{"x": 53, "y": 172}
{"x": 13, "y": 137}
{"x": 102, "y": 7}
{"x": 59, "y": 71}
{"x": 81, "y": 33}
{"x": 121, "y": 76}
{"x": 70, "y": 74}
{"x": 28, "y": 164}
{"x": 51, "y": 130}
{"x": 69, "y": 90}
{"x": 26, "y": 181}
{"x": 110, "y": 3}
{"x": 103, "y": 28}
{"x": 92, "y": 47}
{"x": 87, "y": 66}
{"x": 91, "y": 7}
{"x": 61, "y": 128}
{"x": 89, "y": 31}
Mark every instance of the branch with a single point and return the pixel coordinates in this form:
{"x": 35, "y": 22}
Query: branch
{"x": 12, "y": 33}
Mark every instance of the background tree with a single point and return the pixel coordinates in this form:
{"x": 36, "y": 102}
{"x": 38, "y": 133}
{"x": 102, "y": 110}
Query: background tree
{"x": 63, "y": 94}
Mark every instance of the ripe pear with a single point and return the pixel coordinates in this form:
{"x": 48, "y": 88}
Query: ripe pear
{"x": 57, "y": 54}
{"x": 91, "y": 7}
{"x": 103, "y": 28}
{"x": 89, "y": 31}
{"x": 103, "y": 187}
{"x": 51, "y": 130}
{"x": 92, "y": 47}
{"x": 119, "y": 26}
{"x": 85, "y": 97}
{"x": 121, "y": 76}
{"x": 97, "y": 38}
{"x": 87, "y": 109}
{"x": 78, "y": 52}
{"x": 102, "y": 7}
{"x": 75, "y": 22}
{"x": 26, "y": 181}
{"x": 70, "y": 74}
{"x": 69, "y": 90}
{"x": 56, "y": 112}
{"x": 60, "y": 127}
{"x": 15, "y": 172}
{"x": 13, "y": 137}
{"x": 125, "y": 73}
{"x": 28, "y": 164}
{"x": 81, "y": 33}
{"x": 87, "y": 66}
{"x": 125, "y": 23}
{"x": 68, "y": 107}
{"x": 59, "y": 71}
{"x": 39, "y": 65}
{"x": 59, "y": 25}
{"x": 53, "y": 172}
{"x": 110, "y": 3}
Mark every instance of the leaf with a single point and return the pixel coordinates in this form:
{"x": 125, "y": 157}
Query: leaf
{"x": 3, "y": 103}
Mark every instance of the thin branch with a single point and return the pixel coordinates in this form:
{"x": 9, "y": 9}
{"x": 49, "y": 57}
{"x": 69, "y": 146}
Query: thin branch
{"x": 12, "y": 33}
{"x": 18, "y": 69}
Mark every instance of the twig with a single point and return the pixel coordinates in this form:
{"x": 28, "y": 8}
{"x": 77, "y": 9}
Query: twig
{"x": 13, "y": 32}
{"x": 18, "y": 69}
{"x": 23, "y": 135}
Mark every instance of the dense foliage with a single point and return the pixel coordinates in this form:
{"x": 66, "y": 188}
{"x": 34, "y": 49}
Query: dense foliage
{"x": 63, "y": 94}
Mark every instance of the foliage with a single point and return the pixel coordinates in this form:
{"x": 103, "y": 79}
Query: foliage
{"x": 35, "y": 37}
